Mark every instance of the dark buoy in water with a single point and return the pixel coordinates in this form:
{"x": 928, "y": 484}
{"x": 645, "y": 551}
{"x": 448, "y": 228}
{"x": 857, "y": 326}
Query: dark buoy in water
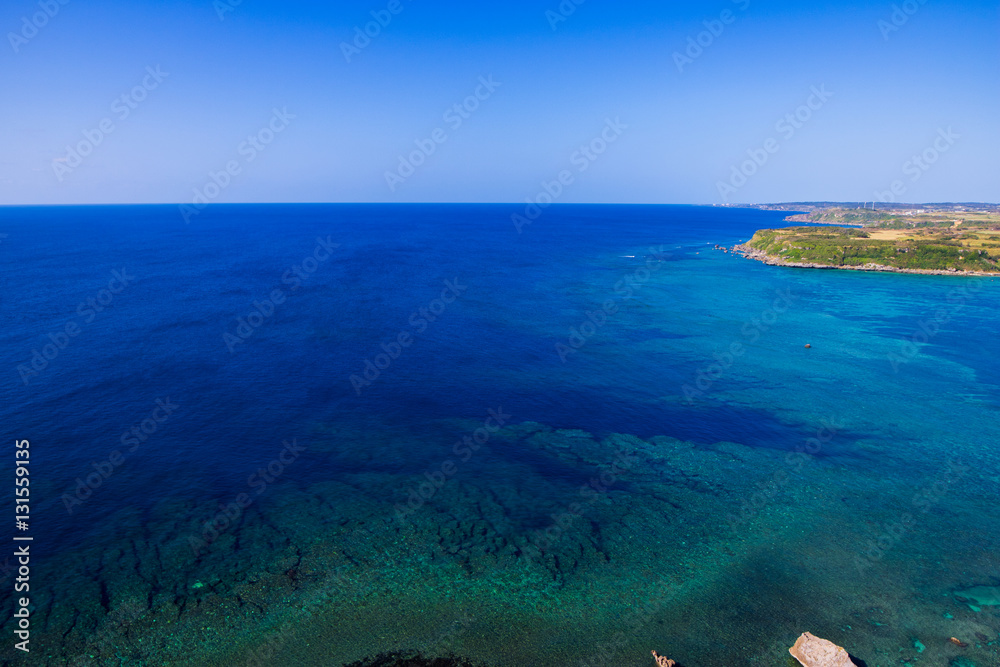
{"x": 808, "y": 346}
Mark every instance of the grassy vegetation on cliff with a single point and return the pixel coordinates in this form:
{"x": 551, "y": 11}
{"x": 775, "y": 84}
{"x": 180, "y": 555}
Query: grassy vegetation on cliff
{"x": 929, "y": 248}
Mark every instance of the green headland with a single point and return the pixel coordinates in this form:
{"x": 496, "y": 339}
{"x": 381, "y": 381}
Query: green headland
{"x": 949, "y": 240}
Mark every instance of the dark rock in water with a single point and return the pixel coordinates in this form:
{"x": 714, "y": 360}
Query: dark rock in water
{"x": 986, "y": 596}
{"x": 410, "y": 660}
{"x": 961, "y": 662}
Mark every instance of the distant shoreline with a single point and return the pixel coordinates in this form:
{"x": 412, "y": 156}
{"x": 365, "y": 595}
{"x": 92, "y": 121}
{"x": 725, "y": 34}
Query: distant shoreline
{"x": 805, "y": 218}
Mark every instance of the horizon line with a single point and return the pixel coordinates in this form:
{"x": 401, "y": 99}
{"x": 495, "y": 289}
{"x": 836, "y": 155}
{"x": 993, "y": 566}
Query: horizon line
{"x": 458, "y": 203}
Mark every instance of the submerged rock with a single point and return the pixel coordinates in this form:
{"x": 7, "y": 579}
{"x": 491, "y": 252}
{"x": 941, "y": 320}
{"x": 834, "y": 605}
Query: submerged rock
{"x": 410, "y": 660}
{"x": 987, "y": 596}
{"x": 961, "y": 662}
{"x": 812, "y": 651}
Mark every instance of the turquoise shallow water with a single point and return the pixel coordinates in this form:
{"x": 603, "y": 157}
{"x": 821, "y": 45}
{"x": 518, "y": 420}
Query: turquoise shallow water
{"x": 607, "y": 438}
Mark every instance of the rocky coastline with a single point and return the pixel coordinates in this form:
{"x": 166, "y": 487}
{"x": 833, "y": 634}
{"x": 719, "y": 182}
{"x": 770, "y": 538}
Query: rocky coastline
{"x": 759, "y": 255}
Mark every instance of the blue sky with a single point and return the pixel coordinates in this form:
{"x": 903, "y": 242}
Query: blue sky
{"x": 257, "y": 101}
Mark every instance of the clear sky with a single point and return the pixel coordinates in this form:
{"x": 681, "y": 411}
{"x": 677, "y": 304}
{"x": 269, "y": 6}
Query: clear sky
{"x": 297, "y": 107}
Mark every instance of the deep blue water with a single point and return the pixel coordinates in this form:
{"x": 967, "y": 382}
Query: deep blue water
{"x": 162, "y": 336}
{"x": 494, "y": 346}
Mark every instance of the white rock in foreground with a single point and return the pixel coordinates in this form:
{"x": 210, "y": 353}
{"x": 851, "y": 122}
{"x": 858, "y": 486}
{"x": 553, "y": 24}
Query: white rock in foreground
{"x": 812, "y": 651}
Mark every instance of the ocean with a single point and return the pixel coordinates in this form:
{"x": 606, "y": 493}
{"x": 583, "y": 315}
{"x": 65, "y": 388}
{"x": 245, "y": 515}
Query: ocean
{"x": 313, "y": 434}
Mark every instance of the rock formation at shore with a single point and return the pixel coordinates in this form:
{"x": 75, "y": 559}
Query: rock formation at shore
{"x": 663, "y": 661}
{"x": 812, "y": 651}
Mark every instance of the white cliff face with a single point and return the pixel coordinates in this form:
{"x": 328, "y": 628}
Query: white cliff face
{"x": 812, "y": 651}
